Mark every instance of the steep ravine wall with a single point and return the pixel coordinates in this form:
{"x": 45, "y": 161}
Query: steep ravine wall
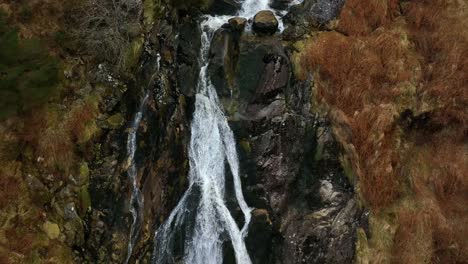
{"x": 299, "y": 171}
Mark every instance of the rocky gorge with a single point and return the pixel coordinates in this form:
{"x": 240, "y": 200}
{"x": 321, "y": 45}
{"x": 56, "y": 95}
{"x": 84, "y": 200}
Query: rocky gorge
{"x": 111, "y": 159}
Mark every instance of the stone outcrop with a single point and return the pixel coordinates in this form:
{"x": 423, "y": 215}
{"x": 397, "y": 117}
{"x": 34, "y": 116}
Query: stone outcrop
{"x": 311, "y": 14}
{"x": 265, "y": 23}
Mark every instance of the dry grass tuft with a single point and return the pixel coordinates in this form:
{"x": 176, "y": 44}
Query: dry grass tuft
{"x": 362, "y": 76}
{"x": 57, "y": 148}
{"x": 385, "y": 63}
{"x": 9, "y": 187}
{"x": 360, "y": 17}
{"x": 78, "y": 119}
{"x": 18, "y": 242}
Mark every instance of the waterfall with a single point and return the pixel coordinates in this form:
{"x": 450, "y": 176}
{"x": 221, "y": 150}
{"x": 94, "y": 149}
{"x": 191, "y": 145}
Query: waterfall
{"x": 136, "y": 198}
{"x": 201, "y": 221}
{"x": 212, "y": 143}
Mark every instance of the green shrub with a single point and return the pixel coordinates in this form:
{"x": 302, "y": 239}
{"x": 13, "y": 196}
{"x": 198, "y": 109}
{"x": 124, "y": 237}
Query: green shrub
{"x": 28, "y": 74}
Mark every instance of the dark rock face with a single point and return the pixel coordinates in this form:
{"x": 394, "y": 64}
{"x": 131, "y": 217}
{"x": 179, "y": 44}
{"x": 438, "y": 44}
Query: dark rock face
{"x": 305, "y": 210}
{"x": 188, "y": 50}
{"x": 238, "y": 23}
{"x": 224, "y": 7}
{"x": 310, "y": 14}
{"x": 280, "y": 4}
{"x": 223, "y": 56}
{"x": 265, "y": 23}
{"x": 162, "y": 145}
{"x": 289, "y": 159}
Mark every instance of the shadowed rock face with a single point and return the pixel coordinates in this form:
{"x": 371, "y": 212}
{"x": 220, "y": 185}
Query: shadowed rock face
{"x": 224, "y": 7}
{"x": 289, "y": 158}
{"x": 280, "y": 4}
{"x": 304, "y": 207}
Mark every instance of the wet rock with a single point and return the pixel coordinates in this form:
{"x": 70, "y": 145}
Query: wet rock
{"x": 224, "y": 7}
{"x": 238, "y": 23}
{"x": 275, "y": 77}
{"x": 188, "y": 50}
{"x": 265, "y": 23}
{"x": 280, "y": 4}
{"x": 223, "y": 53}
{"x": 261, "y": 58}
{"x": 260, "y": 236}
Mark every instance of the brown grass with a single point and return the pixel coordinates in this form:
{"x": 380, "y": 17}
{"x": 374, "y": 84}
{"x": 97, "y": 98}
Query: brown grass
{"x": 438, "y": 30}
{"x": 383, "y": 63}
{"x": 9, "y": 187}
{"x": 18, "y": 242}
{"x": 362, "y": 73}
{"x": 57, "y": 149}
{"x": 362, "y": 76}
{"x": 78, "y": 119}
{"x": 361, "y": 17}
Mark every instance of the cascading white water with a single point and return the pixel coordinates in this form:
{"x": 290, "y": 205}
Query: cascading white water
{"x": 201, "y": 221}
{"x": 136, "y": 198}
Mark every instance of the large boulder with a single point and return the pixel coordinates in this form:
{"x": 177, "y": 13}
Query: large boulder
{"x": 223, "y": 54}
{"x": 310, "y": 14}
{"x": 237, "y": 23}
{"x": 265, "y": 23}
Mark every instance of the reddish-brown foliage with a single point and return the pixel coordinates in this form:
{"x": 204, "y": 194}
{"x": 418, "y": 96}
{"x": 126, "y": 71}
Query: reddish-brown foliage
{"x": 362, "y": 76}
{"x": 373, "y": 139}
{"x": 57, "y": 149}
{"x": 374, "y": 65}
{"x": 361, "y": 17}
{"x": 9, "y": 187}
{"x": 19, "y": 242}
{"x": 79, "y": 118}
{"x": 438, "y": 30}
{"x": 34, "y": 124}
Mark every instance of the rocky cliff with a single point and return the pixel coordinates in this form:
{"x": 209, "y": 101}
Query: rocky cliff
{"x": 333, "y": 117}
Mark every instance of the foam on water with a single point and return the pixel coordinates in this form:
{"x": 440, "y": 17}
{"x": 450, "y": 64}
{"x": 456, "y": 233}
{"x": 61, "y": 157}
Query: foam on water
{"x": 201, "y": 222}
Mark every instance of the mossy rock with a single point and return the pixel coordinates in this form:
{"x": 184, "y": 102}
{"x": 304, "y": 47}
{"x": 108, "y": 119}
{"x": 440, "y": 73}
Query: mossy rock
{"x": 85, "y": 200}
{"x": 133, "y": 54}
{"x": 51, "y": 229}
{"x": 115, "y": 121}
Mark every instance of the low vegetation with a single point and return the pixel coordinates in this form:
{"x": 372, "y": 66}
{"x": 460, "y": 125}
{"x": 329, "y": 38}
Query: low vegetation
{"x": 396, "y": 72}
{"x": 105, "y": 29}
{"x": 29, "y": 76}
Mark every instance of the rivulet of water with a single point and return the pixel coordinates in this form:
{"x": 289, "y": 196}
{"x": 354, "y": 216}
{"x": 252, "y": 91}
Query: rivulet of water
{"x": 136, "y": 198}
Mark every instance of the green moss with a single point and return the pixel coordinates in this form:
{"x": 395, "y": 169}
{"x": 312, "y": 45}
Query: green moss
{"x": 245, "y": 144}
{"x": 298, "y": 71}
{"x": 318, "y": 152}
{"x": 148, "y": 12}
{"x": 348, "y": 169}
{"x": 115, "y": 121}
{"x": 51, "y": 229}
{"x": 85, "y": 200}
{"x": 133, "y": 54}
{"x": 28, "y": 75}
{"x": 84, "y": 173}
{"x": 362, "y": 247}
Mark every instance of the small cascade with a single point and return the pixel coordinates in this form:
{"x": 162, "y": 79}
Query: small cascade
{"x": 136, "y": 198}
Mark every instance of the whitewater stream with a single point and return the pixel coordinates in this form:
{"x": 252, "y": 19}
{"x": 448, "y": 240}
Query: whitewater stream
{"x": 201, "y": 222}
